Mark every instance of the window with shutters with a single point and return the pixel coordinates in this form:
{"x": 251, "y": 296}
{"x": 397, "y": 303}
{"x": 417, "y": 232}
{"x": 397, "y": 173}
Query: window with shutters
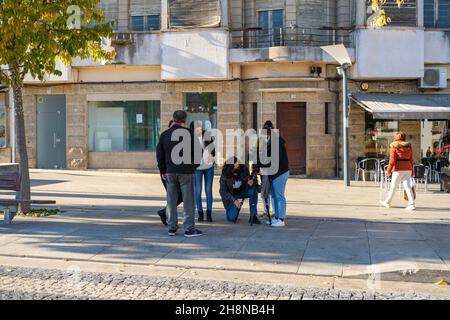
{"x": 194, "y": 13}
{"x": 111, "y": 11}
{"x": 145, "y": 15}
{"x": 436, "y": 14}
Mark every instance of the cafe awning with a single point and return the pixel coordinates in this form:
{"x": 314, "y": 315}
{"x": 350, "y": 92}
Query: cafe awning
{"x": 404, "y": 106}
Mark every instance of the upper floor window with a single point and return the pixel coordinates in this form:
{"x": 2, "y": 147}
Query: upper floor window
{"x": 270, "y": 23}
{"x": 145, "y": 23}
{"x": 145, "y": 15}
{"x": 436, "y": 13}
{"x": 194, "y": 13}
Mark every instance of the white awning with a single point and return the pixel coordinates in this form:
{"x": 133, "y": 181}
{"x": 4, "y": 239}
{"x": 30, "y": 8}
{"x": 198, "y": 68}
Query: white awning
{"x": 404, "y": 106}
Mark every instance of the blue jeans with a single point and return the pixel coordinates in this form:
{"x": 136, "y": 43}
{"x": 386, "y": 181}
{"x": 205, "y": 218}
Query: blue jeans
{"x": 209, "y": 177}
{"x": 251, "y": 194}
{"x": 278, "y": 190}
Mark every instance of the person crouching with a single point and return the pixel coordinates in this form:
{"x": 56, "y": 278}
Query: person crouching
{"x": 235, "y": 186}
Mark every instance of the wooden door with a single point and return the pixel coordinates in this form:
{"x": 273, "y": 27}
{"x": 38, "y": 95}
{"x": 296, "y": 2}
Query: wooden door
{"x": 291, "y": 121}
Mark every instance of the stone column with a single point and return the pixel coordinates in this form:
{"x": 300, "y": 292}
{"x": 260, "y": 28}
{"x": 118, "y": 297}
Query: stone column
{"x": 164, "y": 15}
{"x": 419, "y": 5}
{"x": 225, "y": 13}
{"x": 361, "y": 10}
{"x": 124, "y": 14}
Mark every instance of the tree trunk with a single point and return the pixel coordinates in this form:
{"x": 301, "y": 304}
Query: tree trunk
{"x": 22, "y": 148}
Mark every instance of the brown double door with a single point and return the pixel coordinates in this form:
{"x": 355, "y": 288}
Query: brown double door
{"x": 291, "y": 120}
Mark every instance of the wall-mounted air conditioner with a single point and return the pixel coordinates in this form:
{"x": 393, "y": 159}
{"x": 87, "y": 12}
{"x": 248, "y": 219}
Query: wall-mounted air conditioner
{"x": 434, "y": 78}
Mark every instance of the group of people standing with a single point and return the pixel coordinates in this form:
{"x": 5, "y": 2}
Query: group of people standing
{"x": 184, "y": 180}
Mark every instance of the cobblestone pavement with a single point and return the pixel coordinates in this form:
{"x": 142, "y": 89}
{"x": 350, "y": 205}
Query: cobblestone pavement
{"x": 19, "y": 283}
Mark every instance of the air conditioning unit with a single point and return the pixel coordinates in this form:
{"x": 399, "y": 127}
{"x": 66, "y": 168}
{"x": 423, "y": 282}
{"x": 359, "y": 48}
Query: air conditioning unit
{"x": 434, "y": 78}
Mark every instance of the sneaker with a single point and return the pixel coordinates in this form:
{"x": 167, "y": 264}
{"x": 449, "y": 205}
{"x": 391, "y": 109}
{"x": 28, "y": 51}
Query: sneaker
{"x": 192, "y": 233}
{"x": 385, "y": 204}
{"x": 278, "y": 223}
{"x": 163, "y": 216}
{"x": 274, "y": 220}
{"x": 172, "y": 231}
{"x": 411, "y": 207}
{"x": 254, "y": 220}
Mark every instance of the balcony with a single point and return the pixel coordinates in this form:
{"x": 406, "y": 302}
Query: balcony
{"x": 286, "y": 44}
{"x": 289, "y": 37}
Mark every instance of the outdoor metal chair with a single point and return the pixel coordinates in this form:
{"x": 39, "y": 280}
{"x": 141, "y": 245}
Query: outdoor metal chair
{"x": 421, "y": 175}
{"x": 435, "y": 173}
{"x": 370, "y": 166}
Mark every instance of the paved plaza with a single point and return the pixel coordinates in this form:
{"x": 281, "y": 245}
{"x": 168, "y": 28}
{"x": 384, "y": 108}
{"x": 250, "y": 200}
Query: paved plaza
{"x": 338, "y": 243}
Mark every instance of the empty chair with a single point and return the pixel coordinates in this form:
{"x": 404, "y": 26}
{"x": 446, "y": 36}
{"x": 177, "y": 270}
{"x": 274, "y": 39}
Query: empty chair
{"x": 436, "y": 171}
{"x": 421, "y": 175}
{"x": 370, "y": 166}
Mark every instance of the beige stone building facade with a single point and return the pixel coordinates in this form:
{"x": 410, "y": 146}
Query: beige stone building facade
{"x": 236, "y": 65}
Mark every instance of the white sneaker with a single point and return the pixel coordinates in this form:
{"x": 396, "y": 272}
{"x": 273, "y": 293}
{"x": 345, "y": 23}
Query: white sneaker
{"x": 278, "y": 223}
{"x": 411, "y": 207}
{"x": 385, "y": 204}
{"x": 273, "y": 221}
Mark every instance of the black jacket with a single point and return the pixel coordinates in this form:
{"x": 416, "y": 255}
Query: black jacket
{"x": 226, "y": 187}
{"x": 164, "y": 152}
{"x": 283, "y": 157}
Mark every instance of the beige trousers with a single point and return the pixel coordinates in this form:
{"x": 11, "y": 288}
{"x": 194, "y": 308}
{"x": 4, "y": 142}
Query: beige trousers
{"x": 397, "y": 178}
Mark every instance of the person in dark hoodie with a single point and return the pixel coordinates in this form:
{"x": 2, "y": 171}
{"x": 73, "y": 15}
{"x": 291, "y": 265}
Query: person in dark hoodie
{"x": 235, "y": 186}
{"x": 163, "y": 212}
{"x": 279, "y": 178}
{"x": 176, "y": 156}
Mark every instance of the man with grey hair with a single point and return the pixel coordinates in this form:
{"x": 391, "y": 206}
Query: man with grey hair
{"x": 177, "y": 163}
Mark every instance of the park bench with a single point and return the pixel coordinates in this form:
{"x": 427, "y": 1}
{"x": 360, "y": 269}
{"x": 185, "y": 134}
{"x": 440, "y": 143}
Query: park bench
{"x": 10, "y": 180}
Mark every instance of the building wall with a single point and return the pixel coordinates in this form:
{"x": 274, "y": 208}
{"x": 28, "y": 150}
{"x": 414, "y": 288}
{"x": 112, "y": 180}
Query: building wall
{"x": 77, "y": 96}
{"x": 320, "y": 153}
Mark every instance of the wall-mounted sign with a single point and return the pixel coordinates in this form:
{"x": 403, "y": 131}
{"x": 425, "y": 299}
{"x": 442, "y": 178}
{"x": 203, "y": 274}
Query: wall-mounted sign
{"x": 364, "y": 86}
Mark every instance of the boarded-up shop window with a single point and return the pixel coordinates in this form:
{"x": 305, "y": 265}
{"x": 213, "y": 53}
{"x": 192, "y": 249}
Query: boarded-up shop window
{"x": 194, "y": 13}
{"x": 111, "y": 11}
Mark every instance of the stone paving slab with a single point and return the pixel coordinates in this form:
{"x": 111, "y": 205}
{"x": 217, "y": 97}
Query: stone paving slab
{"x": 331, "y": 230}
{"x": 406, "y": 254}
{"x": 18, "y": 283}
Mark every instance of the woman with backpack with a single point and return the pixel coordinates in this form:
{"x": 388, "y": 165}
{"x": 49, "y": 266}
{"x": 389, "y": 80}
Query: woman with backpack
{"x": 401, "y": 167}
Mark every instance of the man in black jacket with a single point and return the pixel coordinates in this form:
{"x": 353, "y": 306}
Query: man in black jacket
{"x": 177, "y": 161}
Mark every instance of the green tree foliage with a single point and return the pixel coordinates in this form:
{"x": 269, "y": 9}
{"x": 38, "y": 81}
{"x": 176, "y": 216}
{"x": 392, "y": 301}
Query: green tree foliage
{"x": 34, "y": 34}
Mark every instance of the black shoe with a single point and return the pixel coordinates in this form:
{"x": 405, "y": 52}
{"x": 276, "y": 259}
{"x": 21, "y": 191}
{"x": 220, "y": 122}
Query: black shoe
{"x": 200, "y": 216}
{"x": 192, "y": 232}
{"x": 173, "y": 231}
{"x": 163, "y": 216}
{"x": 254, "y": 220}
{"x": 209, "y": 216}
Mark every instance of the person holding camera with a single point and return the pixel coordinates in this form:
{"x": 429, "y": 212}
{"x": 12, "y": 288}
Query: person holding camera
{"x": 236, "y": 184}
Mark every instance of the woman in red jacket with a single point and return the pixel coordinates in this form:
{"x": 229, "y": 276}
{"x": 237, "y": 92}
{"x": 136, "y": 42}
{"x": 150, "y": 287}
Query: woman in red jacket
{"x": 401, "y": 166}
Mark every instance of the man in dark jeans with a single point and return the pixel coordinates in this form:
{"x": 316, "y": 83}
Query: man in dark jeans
{"x": 177, "y": 163}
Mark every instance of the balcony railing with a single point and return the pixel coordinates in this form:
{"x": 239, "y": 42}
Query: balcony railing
{"x": 289, "y": 37}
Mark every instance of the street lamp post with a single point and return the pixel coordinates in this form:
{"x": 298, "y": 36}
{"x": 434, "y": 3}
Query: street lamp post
{"x": 343, "y": 70}
{"x": 340, "y": 54}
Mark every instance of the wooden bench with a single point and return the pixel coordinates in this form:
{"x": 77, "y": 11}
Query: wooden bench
{"x": 10, "y": 180}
